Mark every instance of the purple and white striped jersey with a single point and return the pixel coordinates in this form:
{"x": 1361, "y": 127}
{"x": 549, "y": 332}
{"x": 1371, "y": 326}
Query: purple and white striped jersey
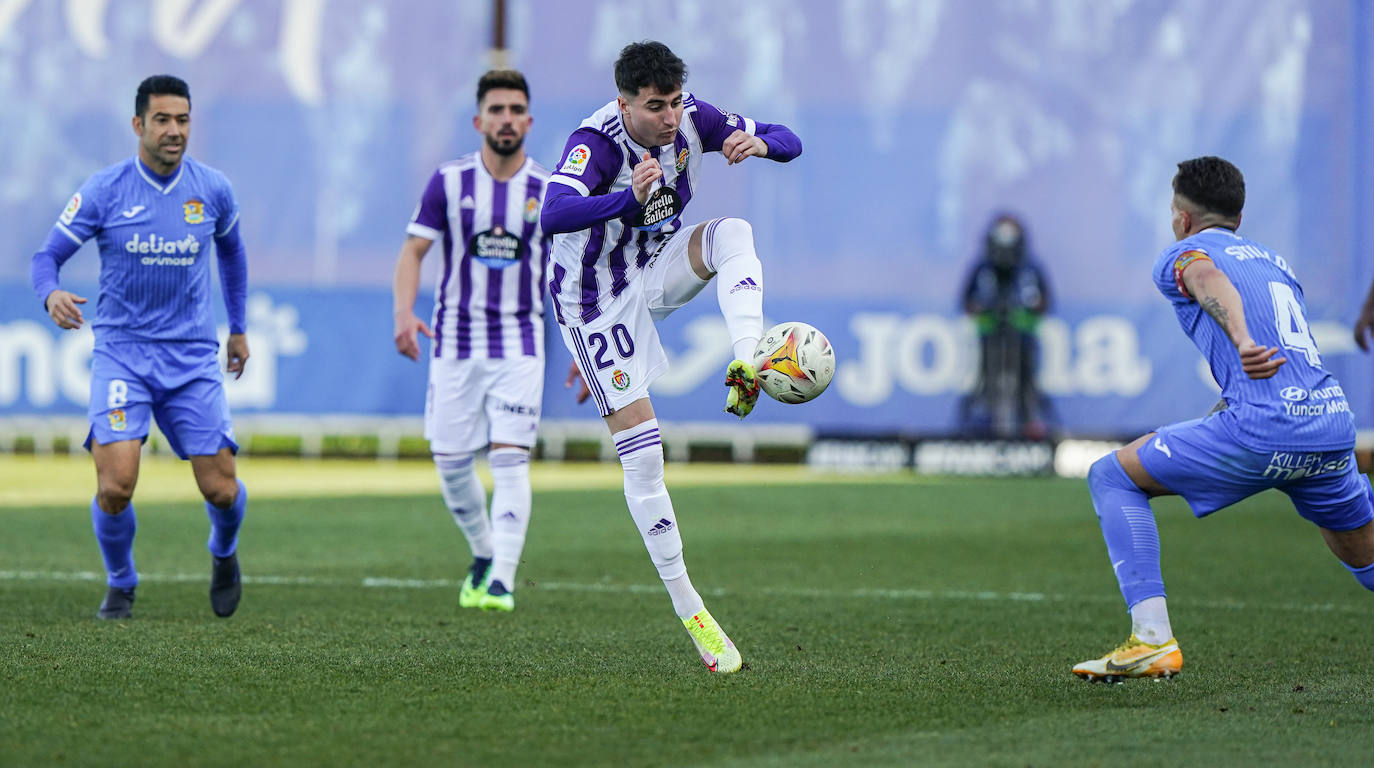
{"x": 489, "y": 301}
{"x": 596, "y": 249}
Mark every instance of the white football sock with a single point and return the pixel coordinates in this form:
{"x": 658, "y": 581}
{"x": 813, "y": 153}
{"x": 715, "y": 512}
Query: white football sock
{"x": 727, "y": 248}
{"x": 466, "y": 499}
{"x": 510, "y": 510}
{"x": 1150, "y": 621}
{"x": 641, "y": 455}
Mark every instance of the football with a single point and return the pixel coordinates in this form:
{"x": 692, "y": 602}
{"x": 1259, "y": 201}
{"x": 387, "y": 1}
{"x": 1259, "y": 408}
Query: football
{"x": 794, "y": 362}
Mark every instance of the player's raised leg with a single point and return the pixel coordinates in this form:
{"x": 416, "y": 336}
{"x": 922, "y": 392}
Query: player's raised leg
{"x": 1122, "y": 502}
{"x": 114, "y": 521}
{"x": 226, "y": 502}
{"x": 635, "y": 433}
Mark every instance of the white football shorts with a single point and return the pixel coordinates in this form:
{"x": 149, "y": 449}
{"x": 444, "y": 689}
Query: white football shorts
{"x": 619, "y": 353}
{"x": 472, "y": 403}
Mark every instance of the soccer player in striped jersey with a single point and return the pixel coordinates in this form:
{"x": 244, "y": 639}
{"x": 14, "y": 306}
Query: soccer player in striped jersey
{"x": 486, "y": 368}
{"x": 156, "y": 353}
{"x": 1283, "y": 422}
{"x": 623, "y": 259}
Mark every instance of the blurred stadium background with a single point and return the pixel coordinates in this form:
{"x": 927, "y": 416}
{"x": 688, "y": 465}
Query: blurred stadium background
{"x": 920, "y": 120}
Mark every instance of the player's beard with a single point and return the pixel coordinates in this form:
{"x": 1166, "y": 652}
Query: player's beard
{"x": 505, "y": 150}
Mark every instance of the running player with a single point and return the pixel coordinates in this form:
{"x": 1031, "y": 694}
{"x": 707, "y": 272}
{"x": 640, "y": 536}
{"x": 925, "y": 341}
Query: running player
{"x": 623, "y": 259}
{"x": 486, "y": 371}
{"x": 1285, "y": 423}
{"x": 156, "y": 355}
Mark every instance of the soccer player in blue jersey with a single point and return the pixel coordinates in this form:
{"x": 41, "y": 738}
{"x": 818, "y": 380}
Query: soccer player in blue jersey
{"x": 154, "y": 216}
{"x": 1284, "y": 422}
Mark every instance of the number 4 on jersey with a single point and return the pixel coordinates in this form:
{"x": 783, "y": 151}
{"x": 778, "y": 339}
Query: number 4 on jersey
{"x": 1293, "y": 331}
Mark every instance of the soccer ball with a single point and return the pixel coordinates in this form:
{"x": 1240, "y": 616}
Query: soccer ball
{"x": 794, "y": 362}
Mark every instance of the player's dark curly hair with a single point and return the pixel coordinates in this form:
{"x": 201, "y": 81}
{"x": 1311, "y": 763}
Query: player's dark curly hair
{"x": 160, "y": 85}
{"x": 1212, "y": 183}
{"x": 648, "y": 63}
{"x": 502, "y": 78}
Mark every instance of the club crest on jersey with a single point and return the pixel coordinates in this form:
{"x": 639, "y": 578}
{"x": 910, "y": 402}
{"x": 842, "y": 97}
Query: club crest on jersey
{"x": 118, "y": 422}
{"x": 532, "y": 210}
{"x": 73, "y": 206}
{"x": 576, "y": 164}
{"x": 194, "y": 211}
{"x": 496, "y": 248}
{"x": 620, "y": 380}
{"x": 681, "y": 164}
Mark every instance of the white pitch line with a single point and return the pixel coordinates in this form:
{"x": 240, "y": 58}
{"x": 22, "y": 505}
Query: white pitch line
{"x": 918, "y": 595}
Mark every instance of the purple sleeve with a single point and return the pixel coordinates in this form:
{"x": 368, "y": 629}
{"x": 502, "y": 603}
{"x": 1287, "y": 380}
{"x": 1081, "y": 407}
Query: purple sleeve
{"x": 715, "y": 125}
{"x": 567, "y": 211}
{"x": 431, "y": 215}
{"x": 577, "y": 194}
{"x": 43, "y": 269}
{"x": 233, "y": 276}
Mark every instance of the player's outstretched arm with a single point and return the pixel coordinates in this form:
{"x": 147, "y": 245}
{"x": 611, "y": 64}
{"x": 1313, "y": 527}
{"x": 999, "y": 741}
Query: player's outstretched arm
{"x": 1364, "y": 324}
{"x": 404, "y": 287}
{"x": 1218, "y": 297}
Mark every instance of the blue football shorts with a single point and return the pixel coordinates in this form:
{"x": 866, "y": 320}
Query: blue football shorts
{"x": 1200, "y": 461}
{"x": 178, "y": 384}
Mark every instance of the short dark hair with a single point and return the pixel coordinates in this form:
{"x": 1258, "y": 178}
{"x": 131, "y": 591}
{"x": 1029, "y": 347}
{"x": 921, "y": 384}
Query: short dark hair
{"x": 1212, "y": 183}
{"x": 648, "y": 62}
{"x": 502, "y": 78}
{"x": 160, "y": 85}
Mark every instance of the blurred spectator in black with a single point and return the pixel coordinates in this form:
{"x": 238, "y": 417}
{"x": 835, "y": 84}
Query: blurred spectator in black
{"x": 1006, "y": 293}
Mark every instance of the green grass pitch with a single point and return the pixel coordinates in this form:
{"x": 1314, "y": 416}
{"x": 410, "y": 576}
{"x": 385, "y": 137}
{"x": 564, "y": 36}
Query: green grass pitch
{"x": 883, "y": 622}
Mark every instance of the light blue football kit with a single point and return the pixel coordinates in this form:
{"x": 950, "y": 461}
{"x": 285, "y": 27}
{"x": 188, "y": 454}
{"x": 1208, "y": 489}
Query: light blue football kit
{"x": 156, "y": 353}
{"x": 156, "y": 350}
{"x": 1293, "y": 431}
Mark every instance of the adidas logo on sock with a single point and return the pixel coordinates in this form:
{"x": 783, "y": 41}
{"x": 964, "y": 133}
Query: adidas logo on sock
{"x": 662, "y": 526}
{"x": 747, "y": 284}
{"x": 508, "y": 515}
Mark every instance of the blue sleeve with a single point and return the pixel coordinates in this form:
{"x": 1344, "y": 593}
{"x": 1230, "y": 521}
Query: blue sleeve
{"x": 233, "y": 277}
{"x": 78, "y": 222}
{"x": 46, "y": 263}
{"x": 715, "y": 125}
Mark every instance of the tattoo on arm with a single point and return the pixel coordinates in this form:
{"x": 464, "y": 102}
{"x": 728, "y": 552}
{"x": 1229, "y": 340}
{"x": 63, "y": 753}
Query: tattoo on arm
{"x": 1212, "y": 306}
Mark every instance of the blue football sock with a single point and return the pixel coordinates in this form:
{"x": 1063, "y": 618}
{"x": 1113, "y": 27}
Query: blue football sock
{"x": 1363, "y": 575}
{"x": 1128, "y": 526}
{"x": 115, "y": 534}
{"x": 224, "y": 524}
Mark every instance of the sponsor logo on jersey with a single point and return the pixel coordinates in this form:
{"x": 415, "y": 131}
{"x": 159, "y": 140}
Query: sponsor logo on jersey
{"x": 132, "y": 212}
{"x": 1295, "y": 394}
{"x": 681, "y": 164}
{"x": 620, "y": 380}
{"x": 496, "y": 248}
{"x": 176, "y": 253}
{"x": 663, "y": 206}
{"x": 1162, "y": 448}
{"x": 194, "y": 211}
{"x": 69, "y": 213}
{"x": 118, "y": 422}
{"x": 576, "y": 164}
{"x": 532, "y": 210}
